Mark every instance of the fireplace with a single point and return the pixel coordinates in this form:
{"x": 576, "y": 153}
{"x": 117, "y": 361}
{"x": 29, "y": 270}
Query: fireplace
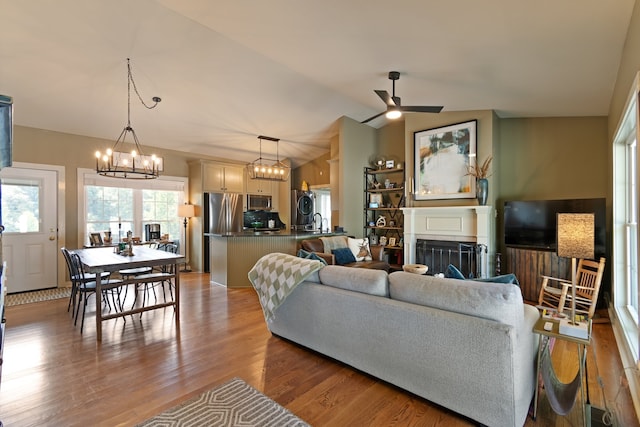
{"x": 463, "y": 233}
{"x": 437, "y": 254}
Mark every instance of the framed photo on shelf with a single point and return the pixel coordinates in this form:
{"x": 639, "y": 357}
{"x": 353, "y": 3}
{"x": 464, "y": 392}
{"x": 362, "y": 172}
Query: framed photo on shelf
{"x": 375, "y": 199}
{"x": 392, "y": 241}
{"x": 443, "y": 156}
{"x": 95, "y": 239}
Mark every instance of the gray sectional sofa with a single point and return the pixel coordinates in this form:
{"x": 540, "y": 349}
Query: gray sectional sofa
{"x": 464, "y": 345}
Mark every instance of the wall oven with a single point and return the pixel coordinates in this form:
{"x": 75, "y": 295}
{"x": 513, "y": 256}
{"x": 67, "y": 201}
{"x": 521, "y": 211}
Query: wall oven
{"x": 258, "y": 202}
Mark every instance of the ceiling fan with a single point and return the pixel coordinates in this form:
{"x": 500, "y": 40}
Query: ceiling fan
{"x": 394, "y": 107}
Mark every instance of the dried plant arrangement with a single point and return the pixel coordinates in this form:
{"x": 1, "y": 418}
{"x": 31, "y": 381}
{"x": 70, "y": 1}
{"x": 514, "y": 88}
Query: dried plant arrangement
{"x": 481, "y": 172}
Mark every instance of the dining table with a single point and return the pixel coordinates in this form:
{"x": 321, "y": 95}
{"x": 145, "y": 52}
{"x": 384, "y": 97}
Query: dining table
{"x": 106, "y": 259}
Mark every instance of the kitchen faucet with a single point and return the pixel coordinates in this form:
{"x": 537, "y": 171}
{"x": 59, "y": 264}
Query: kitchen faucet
{"x": 319, "y": 223}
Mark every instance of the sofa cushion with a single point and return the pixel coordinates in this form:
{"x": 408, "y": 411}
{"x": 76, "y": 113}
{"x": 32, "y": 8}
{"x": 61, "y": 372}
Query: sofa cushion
{"x": 310, "y": 255}
{"x": 343, "y": 256}
{"x": 360, "y": 248}
{"x": 367, "y": 281}
{"x": 494, "y": 301}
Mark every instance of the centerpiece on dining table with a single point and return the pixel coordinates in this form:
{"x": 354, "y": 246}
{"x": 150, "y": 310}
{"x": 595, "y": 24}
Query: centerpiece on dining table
{"x": 125, "y": 248}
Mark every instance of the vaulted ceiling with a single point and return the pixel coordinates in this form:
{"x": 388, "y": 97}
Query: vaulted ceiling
{"x": 230, "y": 71}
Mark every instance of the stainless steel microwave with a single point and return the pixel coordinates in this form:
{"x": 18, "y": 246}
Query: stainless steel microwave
{"x": 257, "y": 202}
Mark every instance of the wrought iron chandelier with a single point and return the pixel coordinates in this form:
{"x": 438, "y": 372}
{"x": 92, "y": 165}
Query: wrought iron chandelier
{"x": 268, "y": 169}
{"x": 134, "y": 164}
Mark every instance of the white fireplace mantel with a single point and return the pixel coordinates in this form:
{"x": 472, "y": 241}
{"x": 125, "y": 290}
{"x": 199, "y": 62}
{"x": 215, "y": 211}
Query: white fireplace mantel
{"x": 452, "y": 223}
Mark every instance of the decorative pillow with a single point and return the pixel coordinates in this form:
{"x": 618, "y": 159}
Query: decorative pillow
{"x": 343, "y": 256}
{"x": 504, "y": 278}
{"x": 360, "y": 248}
{"x": 311, "y": 255}
{"x": 453, "y": 273}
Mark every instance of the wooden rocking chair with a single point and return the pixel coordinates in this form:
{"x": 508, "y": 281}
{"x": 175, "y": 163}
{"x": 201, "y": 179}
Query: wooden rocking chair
{"x": 588, "y": 278}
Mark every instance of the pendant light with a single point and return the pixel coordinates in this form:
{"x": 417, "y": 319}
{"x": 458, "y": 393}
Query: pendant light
{"x": 133, "y": 165}
{"x": 267, "y": 169}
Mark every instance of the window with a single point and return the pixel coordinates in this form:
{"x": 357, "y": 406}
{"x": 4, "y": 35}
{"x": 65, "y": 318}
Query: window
{"x": 109, "y": 209}
{"x": 21, "y": 205}
{"x": 120, "y": 205}
{"x": 161, "y": 207}
{"x": 323, "y": 206}
{"x": 625, "y": 228}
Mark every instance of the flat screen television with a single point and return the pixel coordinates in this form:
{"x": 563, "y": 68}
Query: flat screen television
{"x": 531, "y": 224}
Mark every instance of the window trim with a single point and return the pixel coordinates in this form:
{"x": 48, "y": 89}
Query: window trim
{"x": 625, "y": 327}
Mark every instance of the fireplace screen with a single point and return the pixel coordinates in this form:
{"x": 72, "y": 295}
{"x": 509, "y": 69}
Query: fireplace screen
{"x": 437, "y": 255}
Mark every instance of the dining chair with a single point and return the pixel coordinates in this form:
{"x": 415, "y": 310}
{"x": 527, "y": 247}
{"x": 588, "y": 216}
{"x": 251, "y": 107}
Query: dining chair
{"x": 158, "y": 277}
{"x": 588, "y": 278}
{"x": 75, "y": 279}
{"x": 86, "y": 286}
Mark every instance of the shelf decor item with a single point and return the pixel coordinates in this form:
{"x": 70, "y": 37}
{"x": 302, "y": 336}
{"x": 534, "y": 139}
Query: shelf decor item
{"x": 481, "y": 173}
{"x": 442, "y": 158}
{"x": 415, "y": 268}
{"x": 482, "y": 191}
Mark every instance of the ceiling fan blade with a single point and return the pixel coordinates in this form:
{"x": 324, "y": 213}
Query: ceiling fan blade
{"x": 396, "y": 101}
{"x": 422, "y": 109}
{"x": 373, "y": 117}
{"x": 384, "y": 95}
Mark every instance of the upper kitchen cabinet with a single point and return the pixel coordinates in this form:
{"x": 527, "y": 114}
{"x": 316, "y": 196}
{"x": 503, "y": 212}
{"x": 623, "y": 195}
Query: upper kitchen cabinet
{"x": 258, "y": 186}
{"x": 223, "y": 177}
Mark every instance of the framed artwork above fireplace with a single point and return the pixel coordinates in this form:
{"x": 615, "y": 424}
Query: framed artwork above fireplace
{"x": 442, "y": 159}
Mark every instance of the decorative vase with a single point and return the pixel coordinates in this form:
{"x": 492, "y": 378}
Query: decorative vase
{"x": 482, "y": 191}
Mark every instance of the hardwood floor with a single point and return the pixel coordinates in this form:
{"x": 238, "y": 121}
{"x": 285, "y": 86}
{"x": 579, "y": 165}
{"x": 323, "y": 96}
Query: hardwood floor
{"x": 53, "y": 375}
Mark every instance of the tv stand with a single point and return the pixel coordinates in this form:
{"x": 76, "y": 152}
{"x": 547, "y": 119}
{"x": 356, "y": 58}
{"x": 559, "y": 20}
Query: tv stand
{"x": 530, "y": 264}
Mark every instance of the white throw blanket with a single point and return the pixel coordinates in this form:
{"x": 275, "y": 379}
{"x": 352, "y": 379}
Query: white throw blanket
{"x": 333, "y": 242}
{"x": 276, "y": 275}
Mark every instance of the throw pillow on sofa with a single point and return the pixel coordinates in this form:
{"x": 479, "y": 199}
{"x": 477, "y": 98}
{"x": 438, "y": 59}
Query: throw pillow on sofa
{"x": 453, "y": 273}
{"x": 310, "y": 255}
{"x": 360, "y": 248}
{"x": 343, "y": 256}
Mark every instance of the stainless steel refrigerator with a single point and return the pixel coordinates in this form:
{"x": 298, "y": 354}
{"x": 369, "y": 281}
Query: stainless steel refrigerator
{"x": 222, "y": 214}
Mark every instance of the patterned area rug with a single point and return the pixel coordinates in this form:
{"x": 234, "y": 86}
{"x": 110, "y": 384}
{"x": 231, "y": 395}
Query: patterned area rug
{"x": 37, "y": 296}
{"x": 234, "y": 403}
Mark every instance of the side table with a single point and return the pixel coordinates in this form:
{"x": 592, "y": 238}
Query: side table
{"x": 543, "y": 346}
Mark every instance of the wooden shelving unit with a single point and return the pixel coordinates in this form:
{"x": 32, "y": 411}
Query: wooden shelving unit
{"x": 384, "y": 196}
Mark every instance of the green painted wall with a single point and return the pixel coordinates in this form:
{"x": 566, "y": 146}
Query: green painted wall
{"x": 356, "y": 144}
{"x": 553, "y": 158}
{"x": 629, "y": 67}
{"x": 315, "y": 172}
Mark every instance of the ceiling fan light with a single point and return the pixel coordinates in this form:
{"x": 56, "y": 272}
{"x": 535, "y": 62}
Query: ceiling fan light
{"x": 394, "y": 114}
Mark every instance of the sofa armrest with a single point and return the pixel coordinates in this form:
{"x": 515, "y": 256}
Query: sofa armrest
{"x": 377, "y": 252}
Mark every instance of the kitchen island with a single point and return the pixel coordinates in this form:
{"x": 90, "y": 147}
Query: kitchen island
{"x": 234, "y": 254}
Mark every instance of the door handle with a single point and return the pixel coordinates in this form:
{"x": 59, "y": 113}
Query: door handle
{"x": 52, "y": 235}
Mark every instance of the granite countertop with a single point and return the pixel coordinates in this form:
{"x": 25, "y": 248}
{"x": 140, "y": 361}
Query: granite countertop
{"x": 282, "y": 233}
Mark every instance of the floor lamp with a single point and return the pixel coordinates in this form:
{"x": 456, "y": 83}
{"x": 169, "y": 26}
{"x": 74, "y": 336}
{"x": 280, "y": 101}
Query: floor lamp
{"x": 576, "y": 237}
{"x": 186, "y": 211}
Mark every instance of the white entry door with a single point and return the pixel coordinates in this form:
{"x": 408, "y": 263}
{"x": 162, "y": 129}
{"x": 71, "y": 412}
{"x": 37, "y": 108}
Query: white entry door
{"x": 30, "y": 239}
